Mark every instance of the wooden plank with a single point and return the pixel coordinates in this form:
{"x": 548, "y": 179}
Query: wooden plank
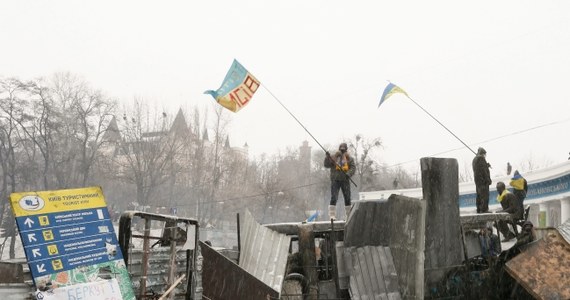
{"x": 543, "y": 268}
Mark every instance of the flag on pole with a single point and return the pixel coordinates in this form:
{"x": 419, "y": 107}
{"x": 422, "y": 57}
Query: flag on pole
{"x": 237, "y": 89}
{"x": 390, "y": 90}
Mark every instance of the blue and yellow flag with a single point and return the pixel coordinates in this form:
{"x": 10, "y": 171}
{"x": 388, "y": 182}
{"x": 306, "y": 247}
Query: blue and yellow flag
{"x": 237, "y": 89}
{"x": 390, "y": 90}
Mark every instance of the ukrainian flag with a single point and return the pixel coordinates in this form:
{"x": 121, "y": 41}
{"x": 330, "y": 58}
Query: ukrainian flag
{"x": 390, "y": 90}
{"x": 237, "y": 88}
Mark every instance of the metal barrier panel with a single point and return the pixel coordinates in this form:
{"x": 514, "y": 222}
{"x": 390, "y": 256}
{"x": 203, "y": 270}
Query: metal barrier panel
{"x": 223, "y": 279}
{"x": 264, "y": 252}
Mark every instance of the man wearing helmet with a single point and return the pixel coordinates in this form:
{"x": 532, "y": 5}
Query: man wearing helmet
{"x": 342, "y": 168}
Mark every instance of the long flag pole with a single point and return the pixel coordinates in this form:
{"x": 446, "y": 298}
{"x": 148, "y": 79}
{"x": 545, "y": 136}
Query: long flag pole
{"x": 441, "y": 124}
{"x": 305, "y": 128}
{"x": 237, "y": 89}
{"x": 393, "y": 89}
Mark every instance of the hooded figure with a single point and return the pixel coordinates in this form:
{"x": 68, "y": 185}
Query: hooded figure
{"x": 482, "y": 180}
{"x": 342, "y": 168}
{"x": 520, "y": 186}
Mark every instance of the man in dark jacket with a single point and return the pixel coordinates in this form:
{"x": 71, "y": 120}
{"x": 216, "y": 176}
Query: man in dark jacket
{"x": 520, "y": 186}
{"x": 342, "y": 168}
{"x": 527, "y": 235}
{"x": 511, "y": 205}
{"x": 490, "y": 243}
{"x": 482, "y": 180}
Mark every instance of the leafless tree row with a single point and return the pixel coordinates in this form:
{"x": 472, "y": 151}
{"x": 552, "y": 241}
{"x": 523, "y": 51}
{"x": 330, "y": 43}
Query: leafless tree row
{"x": 59, "y": 132}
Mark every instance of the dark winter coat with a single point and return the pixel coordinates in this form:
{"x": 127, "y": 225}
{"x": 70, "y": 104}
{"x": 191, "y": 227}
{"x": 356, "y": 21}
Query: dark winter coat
{"x": 481, "y": 171}
{"x": 512, "y": 205}
{"x": 341, "y": 160}
{"x": 495, "y": 245}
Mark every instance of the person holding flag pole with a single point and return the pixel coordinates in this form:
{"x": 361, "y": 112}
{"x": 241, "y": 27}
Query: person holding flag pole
{"x": 479, "y": 162}
{"x": 236, "y": 91}
{"x": 392, "y": 89}
{"x": 342, "y": 168}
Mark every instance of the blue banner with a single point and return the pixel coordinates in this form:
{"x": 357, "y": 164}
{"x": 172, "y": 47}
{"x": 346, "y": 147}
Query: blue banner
{"x": 537, "y": 190}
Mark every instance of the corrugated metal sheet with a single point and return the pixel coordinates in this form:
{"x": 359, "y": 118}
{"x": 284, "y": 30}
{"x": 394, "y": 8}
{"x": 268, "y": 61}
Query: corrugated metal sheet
{"x": 15, "y": 280}
{"x": 223, "y": 279}
{"x": 544, "y": 267}
{"x": 342, "y": 268}
{"x": 564, "y": 230}
{"x": 372, "y": 273}
{"x": 264, "y": 252}
{"x": 16, "y": 291}
{"x": 292, "y": 228}
{"x": 400, "y": 224}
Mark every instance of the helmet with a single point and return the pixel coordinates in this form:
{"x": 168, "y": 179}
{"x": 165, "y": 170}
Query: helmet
{"x": 481, "y": 150}
{"x": 343, "y": 146}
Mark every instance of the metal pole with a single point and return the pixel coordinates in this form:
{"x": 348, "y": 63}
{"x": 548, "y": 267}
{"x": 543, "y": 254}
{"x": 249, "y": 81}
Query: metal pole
{"x": 441, "y": 124}
{"x": 238, "y": 238}
{"x": 306, "y": 130}
{"x": 145, "y": 258}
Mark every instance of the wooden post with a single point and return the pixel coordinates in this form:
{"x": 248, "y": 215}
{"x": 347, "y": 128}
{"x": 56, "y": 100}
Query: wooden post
{"x": 307, "y": 250}
{"x": 443, "y": 241}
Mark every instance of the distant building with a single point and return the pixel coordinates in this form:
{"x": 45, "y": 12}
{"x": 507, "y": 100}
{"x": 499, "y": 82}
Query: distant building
{"x": 295, "y": 168}
{"x": 127, "y": 151}
{"x": 117, "y": 142}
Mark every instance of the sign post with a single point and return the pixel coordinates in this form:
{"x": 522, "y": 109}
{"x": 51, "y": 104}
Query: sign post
{"x": 70, "y": 242}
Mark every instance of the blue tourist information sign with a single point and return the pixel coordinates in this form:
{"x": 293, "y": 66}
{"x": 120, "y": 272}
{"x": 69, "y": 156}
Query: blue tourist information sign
{"x": 68, "y": 237}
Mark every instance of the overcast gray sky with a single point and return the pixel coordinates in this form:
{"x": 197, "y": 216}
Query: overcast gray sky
{"x": 484, "y": 69}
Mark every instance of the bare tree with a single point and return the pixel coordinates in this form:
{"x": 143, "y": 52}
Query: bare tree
{"x": 85, "y": 115}
{"x": 362, "y": 150}
{"x": 467, "y": 174}
{"x": 214, "y": 154}
{"x": 270, "y": 187}
{"x": 39, "y": 123}
{"x": 94, "y": 112}
{"x": 149, "y": 154}
{"x": 9, "y": 104}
